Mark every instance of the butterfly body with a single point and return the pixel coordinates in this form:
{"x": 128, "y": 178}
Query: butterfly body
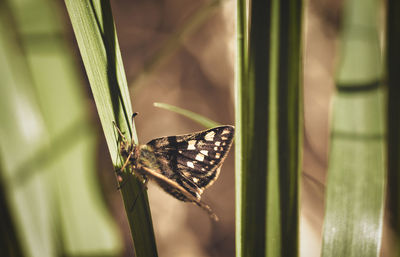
{"x": 183, "y": 166}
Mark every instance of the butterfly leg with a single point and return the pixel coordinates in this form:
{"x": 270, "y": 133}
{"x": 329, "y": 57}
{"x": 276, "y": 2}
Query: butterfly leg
{"x": 121, "y": 181}
{"x": 119, "y": 171}
{"x": 119, "y": 131}
{"x": 127, "y": 161}
{"x": 144, "y": 187}
{"x": 145, "y": 182}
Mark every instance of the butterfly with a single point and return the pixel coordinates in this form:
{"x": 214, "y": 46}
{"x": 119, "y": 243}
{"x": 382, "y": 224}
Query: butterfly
{"x": 184, "y": 165}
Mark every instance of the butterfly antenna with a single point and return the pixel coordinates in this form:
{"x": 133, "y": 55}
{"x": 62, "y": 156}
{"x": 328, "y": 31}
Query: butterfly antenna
{"x": 207, "y": 208}
{"x": 119, "y": 131}
{"x": 133, "y": 117}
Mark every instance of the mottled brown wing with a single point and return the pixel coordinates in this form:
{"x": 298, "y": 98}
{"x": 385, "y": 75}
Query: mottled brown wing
{"x": 193, "y": 160}
{"x": 172, "y": 187}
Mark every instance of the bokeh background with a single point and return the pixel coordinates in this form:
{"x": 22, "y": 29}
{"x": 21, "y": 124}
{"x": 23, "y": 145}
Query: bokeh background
{"x": 182, "y": 52}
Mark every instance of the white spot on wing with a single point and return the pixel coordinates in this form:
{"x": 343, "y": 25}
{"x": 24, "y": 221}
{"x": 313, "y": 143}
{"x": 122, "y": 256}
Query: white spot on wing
{"x": 212, "y": 162}
{"x": 210, "y": 136}
{"x": 190, "y": 165}
{"x": 215, "y": 148}
{"x": 191, "y": 144}
{"x": 205, "y": 152}
{"x": 226, "y": 131}
{"x": 217, "y": 155}
{"x": 217, "y": 143}
{"x": 224, "y": 138}
{"x": 200, "y": 157}
{"x": 195, "y": 180}
{"x": 180, "y": 151}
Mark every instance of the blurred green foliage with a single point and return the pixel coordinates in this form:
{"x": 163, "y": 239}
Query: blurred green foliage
{"x": 47, "y": 142}
{"x": 356, "y": 173}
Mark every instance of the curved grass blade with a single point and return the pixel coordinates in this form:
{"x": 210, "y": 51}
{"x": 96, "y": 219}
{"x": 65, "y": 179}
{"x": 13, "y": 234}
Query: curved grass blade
{"x": 188, "y": 114}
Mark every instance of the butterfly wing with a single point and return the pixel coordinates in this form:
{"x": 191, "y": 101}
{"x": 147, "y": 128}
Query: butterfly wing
{"x": 193, "y": 160}
{"x": 176, "y": 190}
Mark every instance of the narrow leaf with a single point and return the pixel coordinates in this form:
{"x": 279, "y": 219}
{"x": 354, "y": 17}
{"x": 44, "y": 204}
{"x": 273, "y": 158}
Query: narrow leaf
{"x": 393, "y": 80}
{"x": 268, "y": 125}
{"x": 356, "y": 172}
{"x": 188, "y": 114}
{"x": 95, "y": 32}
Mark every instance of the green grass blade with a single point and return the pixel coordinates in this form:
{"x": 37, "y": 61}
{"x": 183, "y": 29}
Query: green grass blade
{"x": 393, "y": 80}
{"x": 355, "y": 189}
{"x": 95, "y": 32}
{"x": 9, "y": 243}
{"x": 268, "y": 123}
{"x": 240, "y": 125}
{"x": 69, "y": 131}
{"x": 288, "y": 122}
{"x": 188, "y": 114}
{"x": 16, "y": 90}
{"x": 63, "y": 157}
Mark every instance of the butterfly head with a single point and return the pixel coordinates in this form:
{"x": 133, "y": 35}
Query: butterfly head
{"x": 129, "y": 152}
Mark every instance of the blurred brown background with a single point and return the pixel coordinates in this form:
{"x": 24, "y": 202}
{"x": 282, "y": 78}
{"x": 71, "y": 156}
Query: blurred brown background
{"x": 196, "y": 72}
